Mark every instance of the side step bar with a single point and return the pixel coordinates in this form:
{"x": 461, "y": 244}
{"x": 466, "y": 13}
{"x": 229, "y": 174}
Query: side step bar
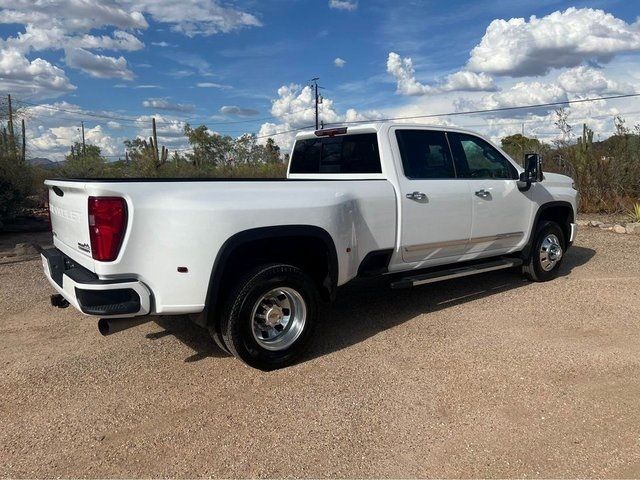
{"x": 450, "y": 273}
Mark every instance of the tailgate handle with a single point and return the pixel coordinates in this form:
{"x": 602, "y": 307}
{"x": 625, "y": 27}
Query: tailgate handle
{"x": 58, "y": 191}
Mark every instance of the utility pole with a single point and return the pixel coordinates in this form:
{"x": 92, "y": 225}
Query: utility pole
{"x": 318, "y": 98}
{"x": 522, "y": 145}
{"x": 24, "y": 143}
{"x": 12, "y": 138}
{"x": 84, "y": 146}
{"x": 155, "y": 140}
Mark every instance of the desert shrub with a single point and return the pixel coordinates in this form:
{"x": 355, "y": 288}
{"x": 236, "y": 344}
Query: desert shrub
{"x": 633, "y": 215}
{"x": 15, "y": 186}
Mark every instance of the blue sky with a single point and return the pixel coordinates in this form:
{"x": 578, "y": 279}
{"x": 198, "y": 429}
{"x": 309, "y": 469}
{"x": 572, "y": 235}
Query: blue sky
{"x": 241, "y": 66}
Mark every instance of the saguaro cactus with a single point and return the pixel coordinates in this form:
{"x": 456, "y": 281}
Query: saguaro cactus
{"x": 586, "y": 141}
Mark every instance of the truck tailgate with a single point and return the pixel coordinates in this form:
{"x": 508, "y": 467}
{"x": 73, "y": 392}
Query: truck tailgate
{"x": 68, "y": 205}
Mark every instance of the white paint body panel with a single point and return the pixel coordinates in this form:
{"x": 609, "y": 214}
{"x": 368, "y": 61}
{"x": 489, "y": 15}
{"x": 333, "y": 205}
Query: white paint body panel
{"x": 185, "y": 224}
{"x": 172, "y": 224}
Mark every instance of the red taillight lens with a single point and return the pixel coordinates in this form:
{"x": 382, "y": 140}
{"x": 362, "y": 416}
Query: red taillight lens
{"x": 107, "y": 224}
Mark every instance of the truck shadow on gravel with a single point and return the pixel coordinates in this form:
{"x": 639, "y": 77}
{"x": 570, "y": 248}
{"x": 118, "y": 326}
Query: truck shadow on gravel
{"x": 365, "y": 308}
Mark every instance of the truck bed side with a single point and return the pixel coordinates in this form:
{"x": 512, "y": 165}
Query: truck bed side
{"x": 184, "y": 224}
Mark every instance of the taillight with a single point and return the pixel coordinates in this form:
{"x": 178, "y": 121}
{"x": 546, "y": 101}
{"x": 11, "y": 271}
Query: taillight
{"x": 107, "y": 224}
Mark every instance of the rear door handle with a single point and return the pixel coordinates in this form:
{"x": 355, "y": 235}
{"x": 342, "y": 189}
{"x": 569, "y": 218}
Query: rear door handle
{"x": 483, "y": 193}
{"x": 417, "y": 196}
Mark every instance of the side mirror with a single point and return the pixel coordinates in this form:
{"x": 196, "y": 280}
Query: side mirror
{"x": 532, "y": 171}
{"x": 533, "y": 166}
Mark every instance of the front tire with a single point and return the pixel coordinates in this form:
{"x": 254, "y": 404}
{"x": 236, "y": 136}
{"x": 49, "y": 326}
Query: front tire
{"x": 270, "y": 316}
{"x": 546, "y": 254}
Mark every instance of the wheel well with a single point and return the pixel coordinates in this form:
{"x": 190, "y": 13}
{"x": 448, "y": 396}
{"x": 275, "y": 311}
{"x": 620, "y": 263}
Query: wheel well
{"x": 562, "y": 214}
{"x": 308, "y": 248}
{"x": 307, "y": 253}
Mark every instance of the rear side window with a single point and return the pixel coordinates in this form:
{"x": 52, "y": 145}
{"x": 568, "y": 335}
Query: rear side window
{"x": 356, "y": 153}
{"x": 425, "y": 154}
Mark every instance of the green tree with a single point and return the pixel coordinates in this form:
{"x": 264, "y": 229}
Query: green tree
{"x": 518, "y": 145}
{"x": 209, "y": 148}
{"x": 86, "y": 162}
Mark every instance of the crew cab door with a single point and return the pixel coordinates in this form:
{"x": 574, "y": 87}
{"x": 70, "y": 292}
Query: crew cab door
{"x": 435, "y": 204}
{"x": 501, "y": 212}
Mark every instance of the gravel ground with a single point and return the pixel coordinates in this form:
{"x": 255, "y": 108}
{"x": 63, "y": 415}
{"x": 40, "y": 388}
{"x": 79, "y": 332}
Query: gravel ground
{"x": 489, "y": 376}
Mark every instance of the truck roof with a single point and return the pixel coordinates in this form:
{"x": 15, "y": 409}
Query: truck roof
{"x": 377, "y": 126}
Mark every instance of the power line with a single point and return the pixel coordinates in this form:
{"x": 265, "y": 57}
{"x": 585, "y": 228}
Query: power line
{"x": 84, "y": 113}
{"x": 490, "y": 110}
{"x": 189, "y": 149}
{"x": 546, "y": 120}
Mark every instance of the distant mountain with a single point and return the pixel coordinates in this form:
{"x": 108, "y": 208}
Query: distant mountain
{"x": 43, "y": 163}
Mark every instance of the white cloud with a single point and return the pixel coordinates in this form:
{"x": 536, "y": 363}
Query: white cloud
{"x": 118, "y": 41}
{"x": 571, "y": 84}
{"x": 54, "y": 38}
{"x": 212, "y": 85}
{"x": 587, "y": 80}
{"x": 165, "y": 104}
{"x": 99, "y": 66}
{"x": 68, "y": 24}
{"x": 51, "y": 132}
{"x": 196, "y": 17}
{"x": 170, "y": 131}
{"x": 295, "y": 108}
{"x": 37, "y": 78}
{"x": 526, "y": 93}
{"x": 349, "y": 5}
{"x": 71, "y": 15}
{"x": 238, "y": 111}
{"x": 339, "y": 62}
{"x": 465, "y": 81}
{"x": 55, "y": 142}
{"x": 191, "y": 60}
{"x": 404, "y": 73}
{"x": 519, "y": 48}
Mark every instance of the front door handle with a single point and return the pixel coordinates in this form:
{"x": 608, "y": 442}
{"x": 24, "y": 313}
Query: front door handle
{"x": 417, "y": 196}
{"x": 483, "y": 193}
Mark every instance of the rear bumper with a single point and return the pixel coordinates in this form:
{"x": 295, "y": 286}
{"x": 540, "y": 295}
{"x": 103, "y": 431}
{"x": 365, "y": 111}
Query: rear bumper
{"x": 122, "y": 297}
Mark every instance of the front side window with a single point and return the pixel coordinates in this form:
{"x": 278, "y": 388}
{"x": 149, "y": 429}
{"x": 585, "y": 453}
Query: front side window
{"x": 425, "y": 154}
{"x": 357, "y": 153}
{"x": 477, "y": 158}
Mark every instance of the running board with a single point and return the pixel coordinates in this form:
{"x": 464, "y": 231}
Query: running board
{"x": 458, "y": 272}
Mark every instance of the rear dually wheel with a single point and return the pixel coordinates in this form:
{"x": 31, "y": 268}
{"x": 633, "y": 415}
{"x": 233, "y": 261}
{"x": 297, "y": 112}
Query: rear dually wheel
{"x": 270, "y": 316}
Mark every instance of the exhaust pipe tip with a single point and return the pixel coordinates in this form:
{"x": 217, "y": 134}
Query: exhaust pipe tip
{"x": 57, "y": 300}
{"x": 109, "y": 326}
{"x": 103, "y": 327}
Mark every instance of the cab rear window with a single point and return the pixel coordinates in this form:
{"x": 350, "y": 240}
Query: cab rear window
{"x": 357, "y": 153}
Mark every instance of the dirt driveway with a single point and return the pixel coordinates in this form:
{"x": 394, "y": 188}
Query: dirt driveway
{"x": 489, "y": 376}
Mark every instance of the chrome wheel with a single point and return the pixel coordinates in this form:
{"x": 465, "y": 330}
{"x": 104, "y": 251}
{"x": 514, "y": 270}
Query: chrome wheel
{"x": 278, "y": 318}
{"x": 550, "y": 252}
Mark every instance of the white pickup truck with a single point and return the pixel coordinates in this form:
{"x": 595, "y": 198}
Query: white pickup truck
{"x": 250, "y": 259}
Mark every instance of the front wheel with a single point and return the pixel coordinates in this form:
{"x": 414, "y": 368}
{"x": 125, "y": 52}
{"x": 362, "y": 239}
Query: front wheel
{"x": 270, "y": 316}
{"x": 546, "y": 254}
